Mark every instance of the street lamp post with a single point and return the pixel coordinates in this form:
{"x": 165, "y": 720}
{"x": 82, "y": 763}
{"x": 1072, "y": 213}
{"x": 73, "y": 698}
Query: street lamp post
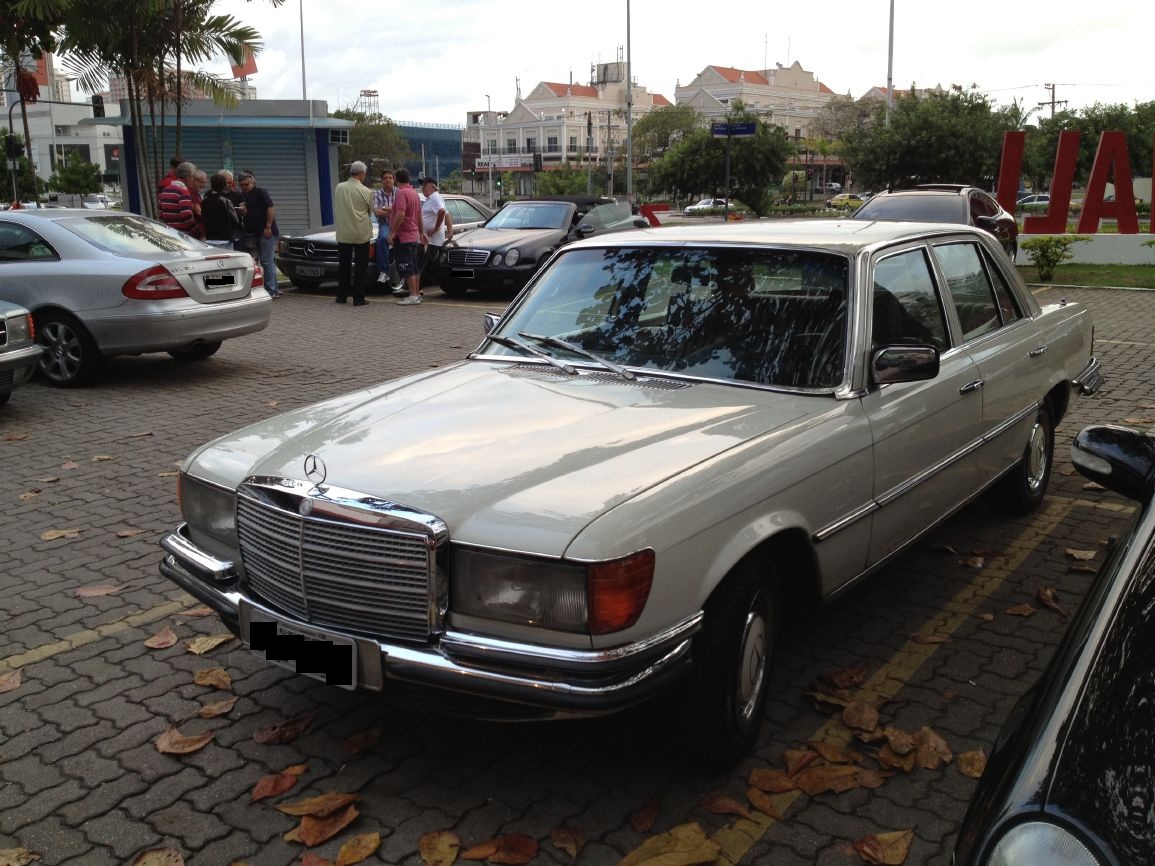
{"x": 629, "y": 116}
{"x": 890, "y": 66}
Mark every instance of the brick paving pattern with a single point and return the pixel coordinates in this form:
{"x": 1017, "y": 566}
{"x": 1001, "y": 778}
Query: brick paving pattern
{"x": 80, "y": 779}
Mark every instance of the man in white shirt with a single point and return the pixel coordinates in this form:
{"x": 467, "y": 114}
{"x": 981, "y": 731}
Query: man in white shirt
{"x": 438, "y": 225}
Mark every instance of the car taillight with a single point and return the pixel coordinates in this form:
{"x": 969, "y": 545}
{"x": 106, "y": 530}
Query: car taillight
{"x": 258, "y": 276}
{"x": 154, "y": 284}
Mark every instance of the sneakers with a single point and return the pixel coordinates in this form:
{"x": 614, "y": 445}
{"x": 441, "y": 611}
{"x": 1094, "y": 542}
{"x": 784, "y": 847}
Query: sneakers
{"x": 411, "y": 299}
{"x": 383, "y": 278}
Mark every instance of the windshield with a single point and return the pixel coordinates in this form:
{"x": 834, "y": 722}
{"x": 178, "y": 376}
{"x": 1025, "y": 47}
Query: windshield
{"x": 131, "y": 235}
{"x": 767, "y": 316}
{"x": 916, "y": 208}
{"x": 532, "y": 215}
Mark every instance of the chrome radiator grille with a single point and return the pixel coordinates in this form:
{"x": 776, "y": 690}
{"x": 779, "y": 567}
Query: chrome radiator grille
{"x": 473, "y": 258}
{"x": 357, "y": 578}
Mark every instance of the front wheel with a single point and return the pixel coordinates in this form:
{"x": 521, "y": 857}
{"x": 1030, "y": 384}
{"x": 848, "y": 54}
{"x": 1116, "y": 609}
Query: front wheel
{"x": 73, "y": 358}
{"x": 731, "y": 668}
{"x": 196, "y": 353}
{"x": 1025, "y": 486}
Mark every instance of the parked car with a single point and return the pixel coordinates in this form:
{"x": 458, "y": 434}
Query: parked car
{"x": 845, "y": 201}
{"x": 103, "y": 283}
{"x": 827, "y": 188}
{"x": 946, "y": 203}
{"x": 509, "y": 248}
{"x": 1070, "y": 779}
{"x": 705, "y": 206}
{"x": 19, "y": 354}
{"x": 1034, "y": 199}
{"x": 703, "y": 429}
{"x": 310, "y": 259}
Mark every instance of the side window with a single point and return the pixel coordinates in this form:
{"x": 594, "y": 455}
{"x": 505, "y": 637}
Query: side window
{"x": 1008, "y": 306}
{"x": 969, "y": 287}
{"x": 983, "y": 205}
{"x": 906, "y": 305}
{"x": 466, "y": 212}
{"x": 19, "y": 244}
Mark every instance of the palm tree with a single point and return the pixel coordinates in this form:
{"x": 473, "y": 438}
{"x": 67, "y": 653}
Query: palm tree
{"x": 27, "y": 30}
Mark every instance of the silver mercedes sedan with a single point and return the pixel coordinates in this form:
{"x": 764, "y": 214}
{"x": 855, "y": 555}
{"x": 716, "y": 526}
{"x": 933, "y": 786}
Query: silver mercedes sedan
{"x": 102, "y": 283}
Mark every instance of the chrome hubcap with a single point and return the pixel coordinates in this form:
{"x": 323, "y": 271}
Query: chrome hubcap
{"x": 1037, "y": 457}
{"x": 752, "y": 663}
{"x": 65, "y": 354}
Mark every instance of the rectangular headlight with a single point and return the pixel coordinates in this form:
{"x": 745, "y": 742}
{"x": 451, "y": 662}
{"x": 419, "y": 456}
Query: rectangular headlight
{"x": 209, "y": 509}
{"x": 538, "y": 592}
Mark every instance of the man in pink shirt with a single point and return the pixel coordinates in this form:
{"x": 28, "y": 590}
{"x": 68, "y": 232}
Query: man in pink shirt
{"x": 408, "y": 234}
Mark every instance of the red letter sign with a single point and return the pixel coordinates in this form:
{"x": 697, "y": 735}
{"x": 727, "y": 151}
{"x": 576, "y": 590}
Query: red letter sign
{"x": 1111, "y": 157}
{"x": 1010, "y": 168}
{"x": 1054, "y": 221}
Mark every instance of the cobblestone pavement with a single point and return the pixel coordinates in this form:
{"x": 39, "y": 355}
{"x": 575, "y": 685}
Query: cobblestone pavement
{"x": 81, "y": 781}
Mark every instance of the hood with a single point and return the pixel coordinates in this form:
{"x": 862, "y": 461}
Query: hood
{"x": 507, "y": 455}
{"x": 500, "y": 239}
{"x": 324, "y": 234}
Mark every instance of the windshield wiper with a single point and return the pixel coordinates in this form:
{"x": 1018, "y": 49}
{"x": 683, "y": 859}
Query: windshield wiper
{"x": 559, "y": 343}
{"x": 510, "y": 343}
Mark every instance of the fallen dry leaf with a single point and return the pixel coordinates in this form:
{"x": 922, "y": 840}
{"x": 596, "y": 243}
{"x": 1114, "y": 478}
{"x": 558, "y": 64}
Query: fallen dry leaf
{"x": 567, "y": 839}
{"x": 159, "y": 857}
{"x": 684, "y": 845}
{"x": 138, "y": 435}
{"x": 919, "y": 637}
{"x": 1049, "y": 599}
{"x": 771, "y": 781}
{"x": 102, "y": 458}
{"x": 1083, "y": 568}
{"x": 95, "y": 591}
{"x": 15, "y": 437}
{"x": 272, "y": 785}
{"x": 889, "y": 759}
{"x": 220, "y": 708}
{"x": 1021, "y": 610}
{"x": 898, "y": 739}
{"x": 167, "y": 474}
{"x": 847, "y": 678}
{"x": 438, "y": 847}
{"x": 71, "y": 464}
{"x": 285, "y": 732}
{"x": 163, "y": 639}
{"x": 932, "y": 750}
{"x": 218, "y": 678}
{"x": 30, "y": 494}
{"x": 1139, "y": 420}
{"x": 173, "y": 742}
{"x": 986, "y": 617}
{"x": 973, "y": 562}
{"x": 972, "y": 764}
{"x": 888, "y": 849}
{"x": 772, "y": 805}
{"x": 1082, "y": 555}
{"x": 130, "y": 533}
{"x": 1093, "y": 485}
{"x": 10, "y": 681}
{"x": 295, "y": 770}
{"x": 643, "y": 820}
{"x": 514, "y": 849}
{"x": 358, "y": 848}
{"x": 311, "y": 859}
{"x": 202, "y": 610}
{"x": 872, "y": 779}
{"x": 319, "y": 807}
{"x": 363, "y": 741}
{"x": 721, "y": 804}
{"x": 272, "y": 403}
{"x": 837, "y": 778}
{"x": 947, "y": 549}
{"x": 53, "y": 534}
{"x": 798, "y": 759}
{"x": 835, "y": 753}
{"x": 480, "y": 851}
{"x": 313, "y": 831}
{"x": 824, "y": 700}
{"x": 861, "y": 716}
{"x": 17, "y": 857}
{"x": 201, "y": 645}
{"x": 51, "y": 479}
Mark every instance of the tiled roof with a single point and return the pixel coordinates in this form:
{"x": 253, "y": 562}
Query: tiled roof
{"x": 733, "y": 75}
{"x": 661, "y": 101}
{"x": 574, "y": 89}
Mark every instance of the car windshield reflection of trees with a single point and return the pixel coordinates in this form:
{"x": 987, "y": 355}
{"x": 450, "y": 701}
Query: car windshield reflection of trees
{"x": 530, "y": 216}
{"x": 770, "y": 317}
{"x": 128, "y": 234}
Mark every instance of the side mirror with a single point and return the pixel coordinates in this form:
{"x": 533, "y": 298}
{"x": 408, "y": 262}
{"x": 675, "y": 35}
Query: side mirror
{"x": 986, "y": 222}
{"x": 641, "y": 223}
{"x": 584, "y": 230}
{"x": 490, "y": 323}
{"x": 892, "y": 364}
{"x": 1119, "y": 458}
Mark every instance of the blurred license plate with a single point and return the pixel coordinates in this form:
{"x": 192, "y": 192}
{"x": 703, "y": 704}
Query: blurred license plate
{"x": 223, "y": 281}
{"x": 310, "y": 271}
{"x": 462, "y": 273}
{"x": 302, "y": 649}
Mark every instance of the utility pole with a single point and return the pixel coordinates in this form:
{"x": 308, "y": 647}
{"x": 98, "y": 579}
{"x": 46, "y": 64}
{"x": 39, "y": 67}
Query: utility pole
{"x": 1052, "y": 102}
{"x": 629, "y": 116}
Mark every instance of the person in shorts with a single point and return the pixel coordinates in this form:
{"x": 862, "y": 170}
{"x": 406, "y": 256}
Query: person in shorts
{"x": 408, "y": 235}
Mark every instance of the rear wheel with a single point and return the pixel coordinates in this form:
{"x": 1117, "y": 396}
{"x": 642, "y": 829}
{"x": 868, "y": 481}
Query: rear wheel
{"x": 196, "y": 353}
{"x": 72, "y": 358}
{"x": 1025, "y": 486}
{"x": 731, "y": 675}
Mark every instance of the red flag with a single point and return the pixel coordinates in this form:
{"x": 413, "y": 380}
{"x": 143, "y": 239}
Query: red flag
{"x": 248, "y": 67}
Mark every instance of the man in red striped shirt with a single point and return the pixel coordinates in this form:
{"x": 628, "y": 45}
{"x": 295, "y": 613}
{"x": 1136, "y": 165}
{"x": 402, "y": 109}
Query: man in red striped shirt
{"x": 175, "y": 201}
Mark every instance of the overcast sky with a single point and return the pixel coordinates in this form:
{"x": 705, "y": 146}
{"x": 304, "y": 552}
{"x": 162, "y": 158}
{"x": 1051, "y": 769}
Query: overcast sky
{"x": 433, "y": 62}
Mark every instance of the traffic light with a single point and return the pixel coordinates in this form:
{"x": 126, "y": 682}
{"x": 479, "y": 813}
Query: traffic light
{"x": 97, "y": 105}
{"x": 809, "y": 172}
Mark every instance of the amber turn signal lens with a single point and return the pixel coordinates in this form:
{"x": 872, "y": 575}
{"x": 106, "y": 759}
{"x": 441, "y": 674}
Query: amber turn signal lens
{"x": 618, "y": 591}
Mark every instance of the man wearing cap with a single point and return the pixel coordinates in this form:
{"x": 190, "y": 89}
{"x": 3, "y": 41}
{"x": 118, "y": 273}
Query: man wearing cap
{"x": 408, "y": 234}
{"x": 261, "y": 226}
{"x": 353, "y": 212}
{"x": 438, "y": 225}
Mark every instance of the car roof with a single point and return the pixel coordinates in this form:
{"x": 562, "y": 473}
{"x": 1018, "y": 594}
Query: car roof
{"x": 572, "y": 199}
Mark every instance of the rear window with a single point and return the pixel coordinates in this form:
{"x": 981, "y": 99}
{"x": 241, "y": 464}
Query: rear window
{"x": 131, "y": 235}
{"x": 917, "y": 208}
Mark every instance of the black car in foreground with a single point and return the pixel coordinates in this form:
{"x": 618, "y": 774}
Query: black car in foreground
{"x": 507, "y": 250}
{"x": 945, "y": 203}
{"x": 1071, "y": 779}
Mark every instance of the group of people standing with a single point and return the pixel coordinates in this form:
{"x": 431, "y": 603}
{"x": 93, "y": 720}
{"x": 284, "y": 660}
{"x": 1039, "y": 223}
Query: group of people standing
{"x": 244, "y": 219}
{"x": 410, "y": 230}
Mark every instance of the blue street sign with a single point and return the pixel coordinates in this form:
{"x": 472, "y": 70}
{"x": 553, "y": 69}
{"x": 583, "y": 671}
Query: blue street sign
{"x": 734, "y": 130}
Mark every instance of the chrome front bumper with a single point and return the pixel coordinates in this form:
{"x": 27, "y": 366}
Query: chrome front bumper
{"x": 558, "y": 680}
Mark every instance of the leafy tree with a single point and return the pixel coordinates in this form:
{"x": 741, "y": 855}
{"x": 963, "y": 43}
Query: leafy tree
{"x": 453, "y": 181}
{"x": 697, "y": 163}
{"x": 567, "y": 180}
{"x": 375, "y": 140}
{"x": 28, "y": 28}
{"x": 76, "y": 176}
{"x": 794, "y": 184}
{"x": 658, "y": 130}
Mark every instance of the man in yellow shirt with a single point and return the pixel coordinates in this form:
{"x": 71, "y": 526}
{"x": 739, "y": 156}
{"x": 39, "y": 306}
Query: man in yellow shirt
{"x": 353, "y": 212}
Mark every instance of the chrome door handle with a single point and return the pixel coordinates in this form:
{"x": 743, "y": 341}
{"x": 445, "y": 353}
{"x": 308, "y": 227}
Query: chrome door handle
{"x": 1034, "y": 353}
{"x": 970, "y": 387}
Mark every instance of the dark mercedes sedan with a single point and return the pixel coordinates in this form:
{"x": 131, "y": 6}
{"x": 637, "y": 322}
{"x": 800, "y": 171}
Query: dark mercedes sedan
{"x": 946, "y": 203}
{"x": 1071, "y": 780}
